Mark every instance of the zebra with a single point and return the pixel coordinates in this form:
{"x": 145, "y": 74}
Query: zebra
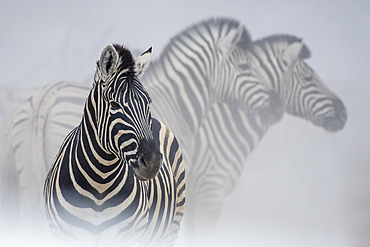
{"x": 197, "y": 98}
{"x": 108, "y": 181}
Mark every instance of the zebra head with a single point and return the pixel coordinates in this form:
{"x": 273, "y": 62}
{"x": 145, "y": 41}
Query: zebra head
{"x": 123, "y": 112}
{"x": 303, "y": 93}
{"x": 241, "y": 80}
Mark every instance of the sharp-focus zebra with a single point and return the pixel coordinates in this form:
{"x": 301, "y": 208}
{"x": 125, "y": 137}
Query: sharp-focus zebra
{"x": 204, "y": 85}
{"x": 108, "y": 182}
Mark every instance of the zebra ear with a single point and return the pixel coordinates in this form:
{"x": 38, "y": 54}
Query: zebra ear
{"x": 142, "y": 62}
{"x": 232, "y": 39}
{"x": 292, "y": 51}
{"x": 108, "y": 61}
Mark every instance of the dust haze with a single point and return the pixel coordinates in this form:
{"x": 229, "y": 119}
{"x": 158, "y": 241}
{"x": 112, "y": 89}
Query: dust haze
{"x": 301, "y": 186}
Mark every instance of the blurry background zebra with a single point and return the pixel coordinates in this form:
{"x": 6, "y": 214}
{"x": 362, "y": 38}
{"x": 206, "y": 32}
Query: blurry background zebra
{"x": 16, "y": 97}
{"x": 308, "y": 198}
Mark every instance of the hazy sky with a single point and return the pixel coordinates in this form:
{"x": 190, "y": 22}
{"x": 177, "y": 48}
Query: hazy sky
{"x": 302, "y": 186}
{"x": 45, "y": 41}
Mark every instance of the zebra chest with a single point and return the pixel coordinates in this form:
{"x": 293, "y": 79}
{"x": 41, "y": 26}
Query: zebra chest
{"x": 97, "y": 203}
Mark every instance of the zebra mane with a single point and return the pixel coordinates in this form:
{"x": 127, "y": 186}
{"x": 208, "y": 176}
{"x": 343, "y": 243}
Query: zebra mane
{"x": 285, "y": 39}
{"x": 210, "y": 25}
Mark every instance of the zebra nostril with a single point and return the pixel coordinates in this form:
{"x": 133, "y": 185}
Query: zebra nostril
{"x": 142, "y": 161}
{"x": 339, "y": 106}
{"x": 343, "y": 116}
{"x": 340, "y": 109}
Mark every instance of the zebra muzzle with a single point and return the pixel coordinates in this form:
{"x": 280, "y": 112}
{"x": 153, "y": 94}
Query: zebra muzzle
{"x": 149, "y": 161}
{"x": 336, "y": 122}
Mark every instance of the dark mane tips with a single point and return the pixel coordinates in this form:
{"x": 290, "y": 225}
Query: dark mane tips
{"x": 284, "y": 38}
{"x": 209, "y": 24}
{"x": 246, "y": 39}
{"x": 231, "y": 23}
{"x": 127, "y": 61}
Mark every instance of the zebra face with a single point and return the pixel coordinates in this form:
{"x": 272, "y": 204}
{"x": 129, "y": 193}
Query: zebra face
{"x": 279, "y": 60}
{"x": 124, "y": 122}
{"x": 244, "y": 87}
{"x": 311, "y": 99}
{"x": 256, "y": 98}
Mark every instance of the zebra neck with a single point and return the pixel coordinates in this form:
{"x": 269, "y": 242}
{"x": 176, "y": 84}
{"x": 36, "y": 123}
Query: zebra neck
{"x": 89, "y": 141}
{"x": 184, "y": 109}
{"x": 269, "y": 68}
{"x": 182, "y": 92}
{"x": 90, "y": 147}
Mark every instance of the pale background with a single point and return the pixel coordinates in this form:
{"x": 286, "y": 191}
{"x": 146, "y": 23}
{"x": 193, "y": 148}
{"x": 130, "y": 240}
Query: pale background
{"x": 302, "y": 186}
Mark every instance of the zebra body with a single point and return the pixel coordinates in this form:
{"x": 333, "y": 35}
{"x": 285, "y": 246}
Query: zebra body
{"x": 108, "y": 182}
{"x": 217, "y": 118}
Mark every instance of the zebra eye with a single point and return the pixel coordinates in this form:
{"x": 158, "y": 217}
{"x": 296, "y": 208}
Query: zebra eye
{"x": 244, "y": 66}
{"x": 308, "y": 78}
{"x": 114, "y": 105}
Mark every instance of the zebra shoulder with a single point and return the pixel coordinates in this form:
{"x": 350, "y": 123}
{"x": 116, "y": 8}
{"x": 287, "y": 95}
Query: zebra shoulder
{"x": 165, "y": 139}
{"x": 172, "y": 156}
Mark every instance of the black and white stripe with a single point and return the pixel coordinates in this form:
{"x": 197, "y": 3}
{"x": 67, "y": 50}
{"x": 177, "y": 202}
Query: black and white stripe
{"x": 108, "y": 182}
